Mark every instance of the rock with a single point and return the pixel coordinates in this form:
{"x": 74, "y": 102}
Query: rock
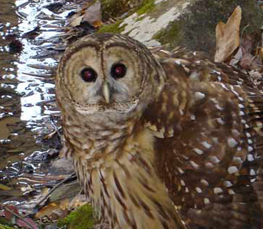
{"x": 62, "y": 166}
{"x": 189, "y": 23}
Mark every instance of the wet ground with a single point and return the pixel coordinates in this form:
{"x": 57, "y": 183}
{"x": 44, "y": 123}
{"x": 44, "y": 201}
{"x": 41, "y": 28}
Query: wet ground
{"x": 28, "y": 111}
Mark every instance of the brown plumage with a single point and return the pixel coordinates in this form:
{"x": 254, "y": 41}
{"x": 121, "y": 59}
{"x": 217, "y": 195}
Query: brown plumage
{"x": 162, "y": 139}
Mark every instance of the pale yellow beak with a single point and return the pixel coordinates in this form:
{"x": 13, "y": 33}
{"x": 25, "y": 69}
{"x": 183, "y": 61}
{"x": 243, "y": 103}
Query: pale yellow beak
{"x": 106, "y": 92}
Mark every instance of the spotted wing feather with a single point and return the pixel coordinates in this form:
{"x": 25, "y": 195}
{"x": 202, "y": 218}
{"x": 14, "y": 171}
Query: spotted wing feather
{"x": 207, "y": 122}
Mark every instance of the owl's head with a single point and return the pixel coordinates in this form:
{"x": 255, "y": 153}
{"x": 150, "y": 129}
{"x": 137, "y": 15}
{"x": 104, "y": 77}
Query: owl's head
{"x": 106, "y": 72}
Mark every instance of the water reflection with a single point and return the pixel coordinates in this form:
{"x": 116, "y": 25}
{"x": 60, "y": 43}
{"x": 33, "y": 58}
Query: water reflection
{"x": 34, "y": 88}
{"x": 27, "y": 94}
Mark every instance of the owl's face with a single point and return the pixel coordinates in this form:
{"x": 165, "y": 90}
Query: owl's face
{"x": 108, "y": 72}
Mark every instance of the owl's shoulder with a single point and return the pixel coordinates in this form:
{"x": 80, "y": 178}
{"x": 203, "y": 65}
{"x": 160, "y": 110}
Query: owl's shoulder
{"x": 197, "y": 66}
{"x": 207, "y": 121}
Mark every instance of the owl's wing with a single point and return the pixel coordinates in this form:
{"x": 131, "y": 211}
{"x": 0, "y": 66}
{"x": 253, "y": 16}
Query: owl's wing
{"x": 209, "y": 144}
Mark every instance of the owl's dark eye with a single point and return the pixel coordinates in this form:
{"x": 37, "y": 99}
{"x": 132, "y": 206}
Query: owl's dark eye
{"x": 88, "y": 75}
{"x": 118, "y": 71}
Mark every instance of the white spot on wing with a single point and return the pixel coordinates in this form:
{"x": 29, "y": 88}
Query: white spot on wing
{"x": 206, "y": 145}
{"x": 218, "y": 107}
{"x": 232, "y": 169}
{"x": 198, "y": 151}
{"x": 252, "y": 172}
{"x": 182, "y": 182}
{"x": 218, "y": 190}
{"x": 231, "y": 142}
{"x": 248, "y": 135}
{"x": 204, "y": 182}
{"x": 235, "y": 132}
{"x": 199, "y": 95}
{"x": 209, "y": 165}
{"x": 214, "y": 159}
{"x": 194, "y": 75}
{"x": 231, "y": 191}
{"x": 206, "y": 201}
{"x": 220, "y": 121}
{"x": 227, "y": 184}
{"x": 192, "y": 117}
{"x": 250, "y": 157}
{"x": 196, "y": 166}
{"x": 180, "y": 170}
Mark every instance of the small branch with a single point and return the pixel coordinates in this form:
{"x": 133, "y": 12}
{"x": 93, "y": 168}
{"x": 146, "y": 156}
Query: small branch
{"x": 18, "y": 216}
{"x": 72, "y": 175}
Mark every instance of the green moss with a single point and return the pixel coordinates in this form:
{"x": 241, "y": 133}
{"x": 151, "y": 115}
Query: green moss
{"x": 82, "y": 218}
{"x": 112, "y": 28}
{"x": 171, "y": 35}
{"x": 147, "y": 6}
{"x": 5, "y": 227}
{"x": 114, "y": 8}
{"x": 4, "y": 224}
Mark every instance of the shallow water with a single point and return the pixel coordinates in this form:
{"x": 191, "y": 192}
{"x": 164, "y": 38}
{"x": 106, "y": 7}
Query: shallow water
{"x": 27, "y": 96}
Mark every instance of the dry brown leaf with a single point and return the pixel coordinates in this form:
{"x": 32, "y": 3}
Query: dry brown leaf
{"x": 246, "y": 61}
{"x": 78, "y": 201}
{"x": 235, "y": 59}
{"x": 4, "y": 187}
{"x": 47, "y": 210}
{"x": 97, "y": 24}
{"x": 227, "y": 36}
{"x": 260, "y": 52}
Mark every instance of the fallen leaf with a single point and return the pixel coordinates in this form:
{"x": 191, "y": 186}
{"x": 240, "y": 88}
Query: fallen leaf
{"x": 236, "y": 58}
{"x": 97, "y": 24}
{"x": 9, "y": 210}
{"x": 4, "y": 187}
{"x": 227, "y": 36}
{"x": 47, "y": 210}
{"x": 78, "y": 201}
{"x": 247, "y": 43}
{"x": 260, "y": 51}
{"x": 76, "y": 20}
{"x": 246, "y": 61}
{"x": 27, "y": 223}
{"x": 11, "y": 213}
{"x": 90, "y": 13}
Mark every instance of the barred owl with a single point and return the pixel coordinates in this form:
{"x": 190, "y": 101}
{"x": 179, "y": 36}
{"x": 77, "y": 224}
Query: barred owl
{"x": 162, "y": 139}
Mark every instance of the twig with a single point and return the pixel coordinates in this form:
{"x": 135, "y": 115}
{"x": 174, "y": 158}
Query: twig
{"x": 242, "y": 33}
{"x": 72, "y": 175}
{"x": 55, "y": 127}
{"x": 18, "y": 216}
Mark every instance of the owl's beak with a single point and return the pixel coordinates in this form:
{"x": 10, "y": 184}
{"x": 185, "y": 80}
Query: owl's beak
{"x": 106, "y": 92}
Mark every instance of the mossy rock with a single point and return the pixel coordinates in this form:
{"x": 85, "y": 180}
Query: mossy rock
{"x": 196, "y": 29}
{"x": 147, "y": 6}
{"x": 81, "y": 218}
{"x": 112, "y": 28}
{"x": 114, "y": 8}
{"x": 192, "y": 27}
